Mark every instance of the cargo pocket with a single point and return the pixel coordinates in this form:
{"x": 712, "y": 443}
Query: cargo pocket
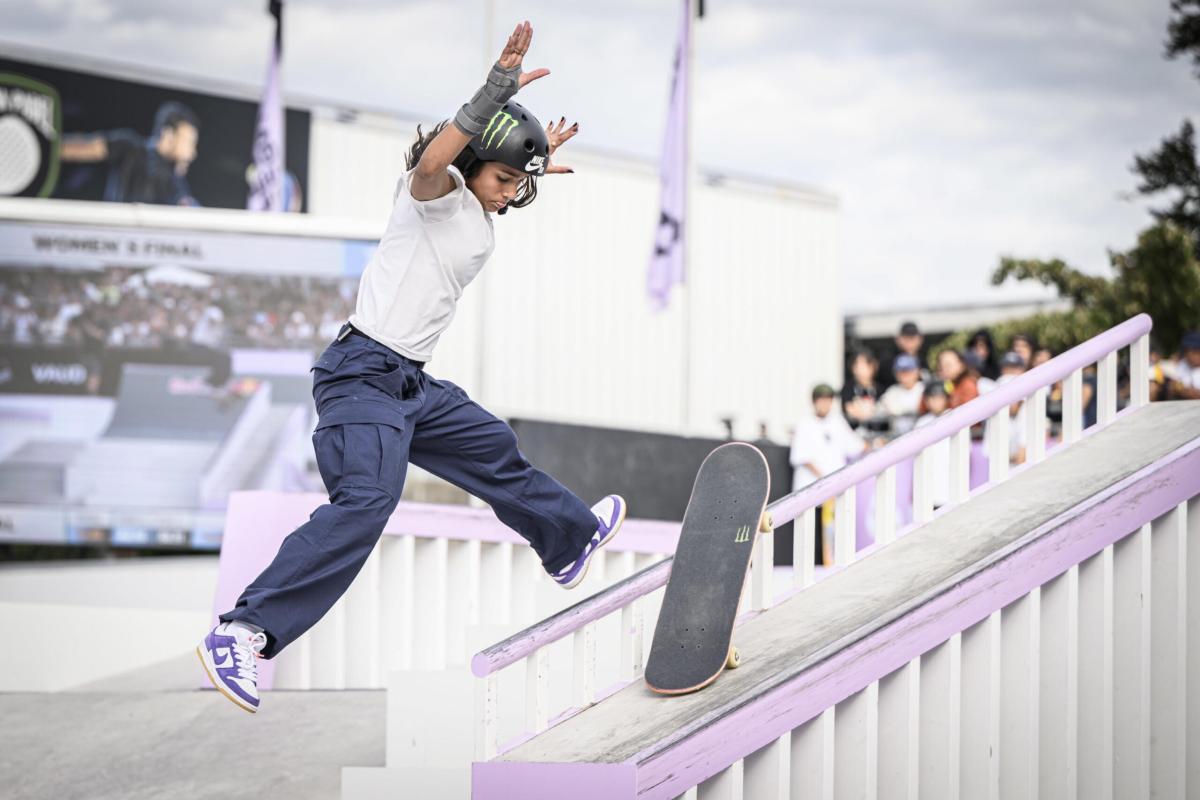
{"x": 392, "y": 383}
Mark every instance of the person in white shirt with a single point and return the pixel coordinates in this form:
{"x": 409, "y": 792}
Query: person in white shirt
{"x": 378, "y": 408}
{"x": 823, "y": 442}
{"x": 902, "y": 400}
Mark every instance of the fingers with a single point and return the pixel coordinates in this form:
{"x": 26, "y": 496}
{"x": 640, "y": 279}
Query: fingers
{"x": 517, "y": 45}
{"x": 527, "y": 77}
{"x": 559, "y": 169}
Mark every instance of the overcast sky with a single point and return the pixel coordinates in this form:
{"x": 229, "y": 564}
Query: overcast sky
{"x": 953, "y": 131}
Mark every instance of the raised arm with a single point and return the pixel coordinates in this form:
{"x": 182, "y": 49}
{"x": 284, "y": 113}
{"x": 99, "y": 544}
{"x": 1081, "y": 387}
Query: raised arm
{"x": 83, "y": 147}
{"x": 430, "y": 179}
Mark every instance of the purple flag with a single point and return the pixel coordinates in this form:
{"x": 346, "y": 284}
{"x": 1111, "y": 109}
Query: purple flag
{"x": 267, "y": 176}
{"x": 667, "y": 263}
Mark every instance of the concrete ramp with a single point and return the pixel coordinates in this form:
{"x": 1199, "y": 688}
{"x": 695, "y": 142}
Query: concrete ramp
{"x": 810, "y": 651}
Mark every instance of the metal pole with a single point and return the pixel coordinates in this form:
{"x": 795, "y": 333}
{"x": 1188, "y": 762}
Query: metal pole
{"x": 688, "y": 220}
{"x": 480, "y": 393}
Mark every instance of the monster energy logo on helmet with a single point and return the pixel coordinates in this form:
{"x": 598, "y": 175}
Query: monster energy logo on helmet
{"x": 500, "y": 121}
{"x": 515, "y": 138}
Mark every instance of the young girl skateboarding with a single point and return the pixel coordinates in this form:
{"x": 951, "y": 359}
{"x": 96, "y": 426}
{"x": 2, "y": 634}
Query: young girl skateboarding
{"x": 379, "y": 410}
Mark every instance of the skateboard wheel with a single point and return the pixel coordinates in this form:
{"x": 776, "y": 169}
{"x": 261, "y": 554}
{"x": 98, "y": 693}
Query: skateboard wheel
{"x": 734, "y": 659}
{"x": 766, "y": 523}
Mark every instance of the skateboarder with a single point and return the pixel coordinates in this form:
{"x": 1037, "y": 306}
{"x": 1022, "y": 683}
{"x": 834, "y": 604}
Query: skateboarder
{"x": 379, "y": 409}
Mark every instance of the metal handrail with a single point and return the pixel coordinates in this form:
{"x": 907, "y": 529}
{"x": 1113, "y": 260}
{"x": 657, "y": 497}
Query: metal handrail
{"x": 787, "y": 508}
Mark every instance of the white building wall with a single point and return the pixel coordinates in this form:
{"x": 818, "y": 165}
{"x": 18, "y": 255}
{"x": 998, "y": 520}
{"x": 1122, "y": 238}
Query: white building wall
{"x": 558, "y": 326}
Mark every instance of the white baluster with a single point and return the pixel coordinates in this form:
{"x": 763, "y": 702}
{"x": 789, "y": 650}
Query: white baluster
{"x": 762, "y": 570}
{"x": 487, "y": 739}
{"x": 537, "y": 686}
{"x": 1020, "y": 624}
{"x": 922, "y": 487}
{"x": 430, "y": 625}
{"x": 632, "y": 640}
{"x": 885, "y": 506}
{"x": 845, "y": 532}
{"x": 766, "y": 774}
{"x": 1035, "y": 427}
{"x": 495, "y": 576}
{"x": 725, "y": 785}
{"x": 998, "y": 446}
{"x": 1169, "y": 645}
{"x": 362, "y": 626}
{"x": 804, "y": 543}
{"x": 960, "y": 466}
{"x": 396, "y": 600}
{"x": 1096, "y": 675}
{"x": 585, "y": 665}
{"x": 856, "y": 744}
{"x": 1072, "y": 407}
{"x": 900, "y": 732}
{"x": 940, "y": 720}
{"x": 1106, "y": 389}
{"x": 1139, "y": 371}
{"x": 979, "y": 750}
{"x": 1058, "y": 733}
{"x": 813, "y": 757}
{"x": 1132, "y": 603}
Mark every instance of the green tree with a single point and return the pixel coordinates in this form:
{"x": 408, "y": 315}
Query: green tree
{"x": 1160, "y": 276}
{"x": 1173, "y": 165}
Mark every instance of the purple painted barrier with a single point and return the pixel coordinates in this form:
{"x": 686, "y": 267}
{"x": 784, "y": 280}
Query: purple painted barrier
{"x": 860, "y": 474}
{"x": 257, "y": 522}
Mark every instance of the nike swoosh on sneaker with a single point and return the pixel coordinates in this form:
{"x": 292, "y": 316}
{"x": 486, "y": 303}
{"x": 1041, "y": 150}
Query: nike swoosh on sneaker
{"x": 225, "y": 655}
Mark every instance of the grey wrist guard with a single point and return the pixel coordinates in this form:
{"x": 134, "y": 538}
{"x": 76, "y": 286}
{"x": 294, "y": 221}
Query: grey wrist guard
{"x": 501, "y": 84}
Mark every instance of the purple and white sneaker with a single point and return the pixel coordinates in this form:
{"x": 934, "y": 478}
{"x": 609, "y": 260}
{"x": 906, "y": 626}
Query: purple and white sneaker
{"x": 230, "y": 657}
{"x": 611, "y": 513}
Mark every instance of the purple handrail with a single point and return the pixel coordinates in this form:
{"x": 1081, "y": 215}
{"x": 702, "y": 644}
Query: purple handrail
{"x": 787, "y": 508}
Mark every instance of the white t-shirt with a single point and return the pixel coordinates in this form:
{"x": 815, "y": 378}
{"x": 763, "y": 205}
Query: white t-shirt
{"x": 898, "y": 401}
{"x": 430, "y": 251}
{"x": 825, "y": 442}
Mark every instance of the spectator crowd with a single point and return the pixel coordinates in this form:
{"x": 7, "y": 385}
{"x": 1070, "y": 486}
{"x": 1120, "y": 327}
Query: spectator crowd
{"x": 120, "y": 307}
{"x": 880, "y": 402}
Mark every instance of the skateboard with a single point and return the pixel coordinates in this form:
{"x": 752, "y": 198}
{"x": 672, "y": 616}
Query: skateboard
{"x": 693, "y": 638}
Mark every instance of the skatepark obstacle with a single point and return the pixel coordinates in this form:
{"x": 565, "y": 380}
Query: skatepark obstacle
{"x": 920, "y": 640}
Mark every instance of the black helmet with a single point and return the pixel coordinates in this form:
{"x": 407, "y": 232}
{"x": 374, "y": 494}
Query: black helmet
{"x": 515, "y": 138}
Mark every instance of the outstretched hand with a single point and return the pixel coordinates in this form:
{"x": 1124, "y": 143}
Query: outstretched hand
{"x": 558, "y": 135}
{"x": 514, "y": 51}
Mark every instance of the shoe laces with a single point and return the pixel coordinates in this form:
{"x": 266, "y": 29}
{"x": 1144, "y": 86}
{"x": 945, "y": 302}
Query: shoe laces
{"x": 245, "y": 655}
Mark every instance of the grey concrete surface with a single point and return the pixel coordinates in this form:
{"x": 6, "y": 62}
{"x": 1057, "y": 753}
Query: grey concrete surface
{"x": 165, "y": 743}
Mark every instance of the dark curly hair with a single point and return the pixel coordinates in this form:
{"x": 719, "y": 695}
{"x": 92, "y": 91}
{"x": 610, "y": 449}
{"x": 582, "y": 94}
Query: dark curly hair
{"x": 469, "y": 165}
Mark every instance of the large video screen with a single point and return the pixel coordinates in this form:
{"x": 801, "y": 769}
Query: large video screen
{"x": 145, "y": 374}
{"x": 80, "y": 136}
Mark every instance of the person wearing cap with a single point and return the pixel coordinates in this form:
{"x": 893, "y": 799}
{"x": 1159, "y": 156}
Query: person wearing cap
{"x": 907, "y": 341}
{"x": 1185, "y": 382}
{"x": 823, "y": 441}
{"x": 902, "y": 401}
{"x": 936, "y": 403}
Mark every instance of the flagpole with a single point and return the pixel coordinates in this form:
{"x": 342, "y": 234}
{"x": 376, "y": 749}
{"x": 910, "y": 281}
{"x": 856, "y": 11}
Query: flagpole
{"x": 489, "y": 53}
{"x": 688, "y": 285}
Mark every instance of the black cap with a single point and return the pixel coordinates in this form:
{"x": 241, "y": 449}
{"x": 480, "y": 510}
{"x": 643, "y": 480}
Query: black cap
{"x": 1011, "y": 359}
{"x": 514, "y": 137}
{"x": 1191, "y": 341}
{"x": 910, "y": 329}
{"x": 823, "y": 390}
{"x": 936, "y": 389}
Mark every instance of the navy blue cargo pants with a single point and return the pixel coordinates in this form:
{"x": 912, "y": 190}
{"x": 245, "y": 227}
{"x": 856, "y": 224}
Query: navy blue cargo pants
{"x": 377, "y": 412}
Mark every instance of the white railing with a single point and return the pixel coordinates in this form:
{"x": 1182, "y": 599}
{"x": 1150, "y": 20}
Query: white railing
{"x": 635, "y": 600}
{"x": 437, "y": 573}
